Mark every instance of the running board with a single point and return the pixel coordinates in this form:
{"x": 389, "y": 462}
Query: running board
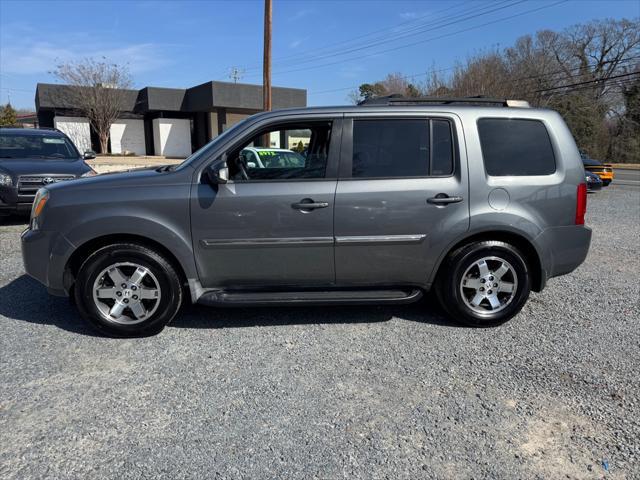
{"x": 222, "y": 298}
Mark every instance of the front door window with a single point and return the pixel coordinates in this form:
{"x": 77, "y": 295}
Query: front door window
{"x": 281, "y": 153}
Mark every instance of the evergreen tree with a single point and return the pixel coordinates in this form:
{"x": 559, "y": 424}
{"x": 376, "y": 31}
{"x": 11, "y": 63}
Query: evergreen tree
{"x": 8, "y": 116}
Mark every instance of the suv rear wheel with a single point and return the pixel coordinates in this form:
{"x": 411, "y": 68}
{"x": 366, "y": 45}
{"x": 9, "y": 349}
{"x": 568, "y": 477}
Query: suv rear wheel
{"x": 127, "y": 290}
{"x": 484, "y": 284}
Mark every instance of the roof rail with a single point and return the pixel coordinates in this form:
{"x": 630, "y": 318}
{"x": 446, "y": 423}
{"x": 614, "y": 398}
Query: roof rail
{"x": 400, "y": 100}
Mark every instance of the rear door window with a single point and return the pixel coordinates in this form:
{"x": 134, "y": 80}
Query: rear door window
{"x": 388, "y": 148}
{"x": 516, "y": 147}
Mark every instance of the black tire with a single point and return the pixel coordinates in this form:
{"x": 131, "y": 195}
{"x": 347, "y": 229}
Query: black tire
{"x": 448, "y": 283}
{"x": 605, "y": 183}
{"x": 167, "y": 278}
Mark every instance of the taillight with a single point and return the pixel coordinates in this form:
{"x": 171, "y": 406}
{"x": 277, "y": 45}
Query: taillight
{"x": 581, "y": 204}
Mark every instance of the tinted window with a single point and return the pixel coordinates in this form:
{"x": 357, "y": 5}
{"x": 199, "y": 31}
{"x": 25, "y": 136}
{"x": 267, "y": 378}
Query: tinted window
{"x": 516, "y": 147}
{"x": 442, "y": 155}
{"x": 390, "y": 148}
{"x": 401, "y": 148}
{"x": 287, "y": 152}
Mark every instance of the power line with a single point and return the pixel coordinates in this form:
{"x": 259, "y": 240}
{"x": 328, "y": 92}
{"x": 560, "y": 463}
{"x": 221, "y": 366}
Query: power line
{"x": 602, "y": 80}
{"x": 509, "y": 17}
{"x": 314, "y": 51}
{"x": 413, "y": 31}
{"x": 541, "y": 75}
{"x": 366, "y": 55}
{"x": 17, "y": 89}
{"x": 403, "y": 36}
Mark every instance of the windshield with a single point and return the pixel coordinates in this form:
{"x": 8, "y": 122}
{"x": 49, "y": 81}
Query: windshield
{"x": 19, "y": 145}
{"x": 281, "y": 159}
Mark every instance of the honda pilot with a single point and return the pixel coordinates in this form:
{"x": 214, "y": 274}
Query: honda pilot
{"x": 480, "y": 200}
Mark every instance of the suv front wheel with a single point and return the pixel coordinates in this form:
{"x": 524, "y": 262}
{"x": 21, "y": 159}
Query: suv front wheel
{"x": 127, "y": 290}
{"x": 484, "y": 284}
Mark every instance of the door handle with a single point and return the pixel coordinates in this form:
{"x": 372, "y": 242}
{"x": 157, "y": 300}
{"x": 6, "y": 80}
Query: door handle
{"x": 443, "y": 199}
{"x": 308, "y": 204}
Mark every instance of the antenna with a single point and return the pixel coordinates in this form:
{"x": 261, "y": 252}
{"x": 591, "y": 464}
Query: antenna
{"x": 236, "y": 74}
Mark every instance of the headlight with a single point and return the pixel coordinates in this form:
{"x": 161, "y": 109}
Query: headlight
{"x": 90, "y": 173}
{"x": 42, "y": 197}
{"x": 5, "y": 180}
{"x": 588, "y": 179}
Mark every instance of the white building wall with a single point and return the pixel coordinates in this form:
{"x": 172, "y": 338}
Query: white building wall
{"x": 77, "y": 129}
{"x": 172, "y": 137}
{"x": 127, "y": 135}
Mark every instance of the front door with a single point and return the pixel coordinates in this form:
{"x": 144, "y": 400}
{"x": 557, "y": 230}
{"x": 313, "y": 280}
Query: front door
{"x": 401, "y": 197}
{"x": 272, "y": 224}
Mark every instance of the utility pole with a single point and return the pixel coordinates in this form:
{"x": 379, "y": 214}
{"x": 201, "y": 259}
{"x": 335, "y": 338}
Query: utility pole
{"x": 266, "y": 74}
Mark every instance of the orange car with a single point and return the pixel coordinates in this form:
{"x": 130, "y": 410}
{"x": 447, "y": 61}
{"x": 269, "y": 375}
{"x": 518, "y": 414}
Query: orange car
{"x": 603, "y": 170}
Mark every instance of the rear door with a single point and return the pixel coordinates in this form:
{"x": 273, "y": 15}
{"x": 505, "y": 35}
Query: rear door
{"x": 402, "y": 195}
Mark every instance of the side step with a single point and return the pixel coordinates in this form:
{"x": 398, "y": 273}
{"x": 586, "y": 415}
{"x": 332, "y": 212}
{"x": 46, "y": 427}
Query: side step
{"x": 222, "y": 298}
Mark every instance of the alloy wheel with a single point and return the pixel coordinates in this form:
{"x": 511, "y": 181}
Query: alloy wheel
{"x": 489, "y": 285}
{"x": 126, "y": 293}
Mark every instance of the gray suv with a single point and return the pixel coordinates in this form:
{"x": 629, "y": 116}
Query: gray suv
{"x": 479, "y": 200}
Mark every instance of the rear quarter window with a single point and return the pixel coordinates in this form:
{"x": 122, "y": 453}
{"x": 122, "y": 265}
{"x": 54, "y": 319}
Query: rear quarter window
{"x": 516, "y": 147}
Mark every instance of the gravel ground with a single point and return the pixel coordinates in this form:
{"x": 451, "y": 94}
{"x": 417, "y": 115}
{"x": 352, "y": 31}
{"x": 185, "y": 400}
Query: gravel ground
{"x": 393, "y": 392}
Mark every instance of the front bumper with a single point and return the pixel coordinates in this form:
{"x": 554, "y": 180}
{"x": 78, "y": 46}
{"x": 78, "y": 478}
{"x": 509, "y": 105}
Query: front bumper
{"x": 605, "y": 176}
{"x": 45, "y": 255}
{"x": 7, "y": 208}
{"x": 594, "y": 186}
{"x": 12, "y": 202}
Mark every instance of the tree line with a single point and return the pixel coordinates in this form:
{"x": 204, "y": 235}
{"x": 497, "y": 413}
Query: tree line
{"x": 590, "y": 73}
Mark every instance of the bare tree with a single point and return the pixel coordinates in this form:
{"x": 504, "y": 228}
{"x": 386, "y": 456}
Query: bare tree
{"x": 98, "y": 89}
{"x": 394, "y": 83}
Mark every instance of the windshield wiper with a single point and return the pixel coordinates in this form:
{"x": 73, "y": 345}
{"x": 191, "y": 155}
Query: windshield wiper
{"x": 6, "y": 156}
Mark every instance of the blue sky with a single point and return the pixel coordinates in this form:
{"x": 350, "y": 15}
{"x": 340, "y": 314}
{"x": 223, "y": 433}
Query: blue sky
{"x": 328, "y": 47}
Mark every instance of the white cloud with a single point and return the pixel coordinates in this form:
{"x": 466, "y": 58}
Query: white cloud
{"x": 41, "y": 57}
{"x": 408, "y": 15}
{"x": 351, "y": 71}
{"x": 297, "y": 42}
{"x": 23, "y": 52}
{"x": 300, "y": 14}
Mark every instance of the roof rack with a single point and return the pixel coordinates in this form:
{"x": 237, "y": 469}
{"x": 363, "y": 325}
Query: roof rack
{"x": 478, "y": 100}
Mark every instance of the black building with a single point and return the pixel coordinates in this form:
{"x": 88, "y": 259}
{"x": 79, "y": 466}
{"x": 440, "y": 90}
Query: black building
{"x": 162, "y": 121}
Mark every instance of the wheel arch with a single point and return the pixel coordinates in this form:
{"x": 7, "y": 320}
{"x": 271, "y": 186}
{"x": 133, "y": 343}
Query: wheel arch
{"x": 81, "y": 253}
{"x": 524, "y": 245}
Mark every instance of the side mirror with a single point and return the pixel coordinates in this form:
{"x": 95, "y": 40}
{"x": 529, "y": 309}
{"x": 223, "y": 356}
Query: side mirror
{"x": 251, "y": 164}
{"x": 216, "y": 176}
{"x": 89, "y": 154}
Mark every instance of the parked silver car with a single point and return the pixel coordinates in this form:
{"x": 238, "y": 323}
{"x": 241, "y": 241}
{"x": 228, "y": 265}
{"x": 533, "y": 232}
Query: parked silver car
{"x": 481, "y": 201}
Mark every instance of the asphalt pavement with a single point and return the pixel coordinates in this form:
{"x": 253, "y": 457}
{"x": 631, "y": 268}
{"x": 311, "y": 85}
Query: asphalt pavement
{"x": 326, "y": 393}
{"x": 627, "y": 177}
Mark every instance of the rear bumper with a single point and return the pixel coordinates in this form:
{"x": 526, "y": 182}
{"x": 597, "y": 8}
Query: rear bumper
{"x": 44, "y": 255}
{"x": 563, "y": 249}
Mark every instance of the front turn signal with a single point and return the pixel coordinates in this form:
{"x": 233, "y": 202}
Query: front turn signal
{"x": 42, "y": 197}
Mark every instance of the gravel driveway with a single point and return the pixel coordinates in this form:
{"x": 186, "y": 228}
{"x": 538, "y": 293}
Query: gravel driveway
{"x": 393, "y": 392}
